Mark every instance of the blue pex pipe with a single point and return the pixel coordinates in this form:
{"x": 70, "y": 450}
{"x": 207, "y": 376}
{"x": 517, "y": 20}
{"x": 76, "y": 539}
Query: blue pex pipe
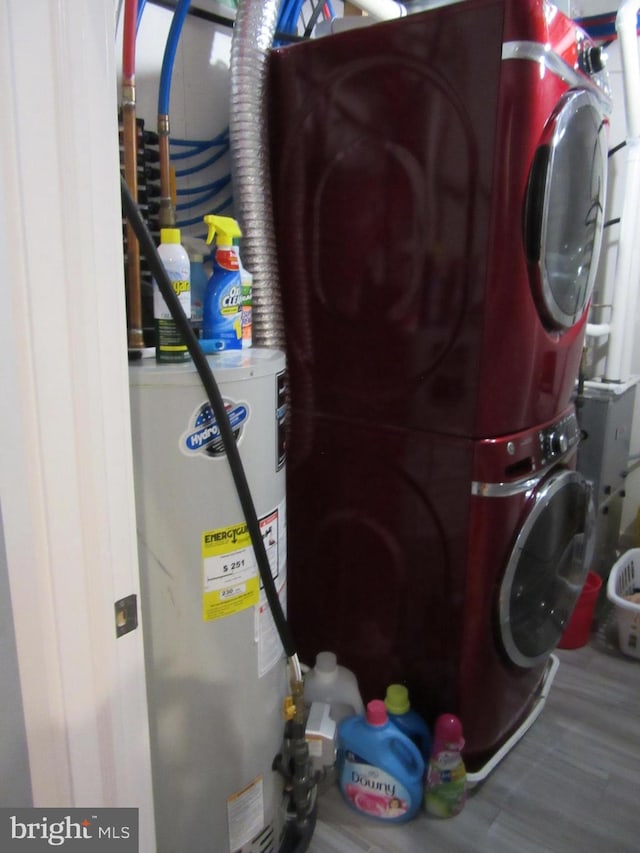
{"x": 214, "y": 186}
{"x": 220, "y": 139}
{"x": 193, "y": 152}
{"x": 192, "y": 148}
{"x": 182, "y": 173}
{"x": 197, "y": 220}
{"x": 141, "y": 4}
{"x": 601, "y": 27}
{"x": 169, "y": 56}
{"x": 208, "y": 196}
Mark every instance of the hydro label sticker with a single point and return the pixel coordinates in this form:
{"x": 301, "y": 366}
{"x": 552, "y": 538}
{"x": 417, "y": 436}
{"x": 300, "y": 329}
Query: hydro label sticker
{"x": 203, "y": 432}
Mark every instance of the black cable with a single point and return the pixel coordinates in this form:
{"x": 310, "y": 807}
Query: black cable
{"x": 313, "y": 20}
{"x": 616, "y": 148}
{"x": 611, "y": 222}
{"x": 196, "y": 13}
{"x": 148, "y": 248}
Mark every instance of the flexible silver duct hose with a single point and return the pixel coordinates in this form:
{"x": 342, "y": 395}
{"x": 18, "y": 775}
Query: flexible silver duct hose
{"x": 253, "y": 34}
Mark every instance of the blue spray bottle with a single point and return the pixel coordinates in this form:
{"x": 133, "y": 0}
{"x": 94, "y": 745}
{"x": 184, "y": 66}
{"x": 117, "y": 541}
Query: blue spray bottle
{"x": 222, "y": 311}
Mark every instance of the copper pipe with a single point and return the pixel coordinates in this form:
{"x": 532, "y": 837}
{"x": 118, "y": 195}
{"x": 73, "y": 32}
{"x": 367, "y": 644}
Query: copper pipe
{"x": 130, "y": 143}
{"x": 167, "y": 212}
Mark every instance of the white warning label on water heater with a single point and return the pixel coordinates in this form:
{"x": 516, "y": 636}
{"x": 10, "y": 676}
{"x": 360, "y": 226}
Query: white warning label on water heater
{"x": 245, "y": 814}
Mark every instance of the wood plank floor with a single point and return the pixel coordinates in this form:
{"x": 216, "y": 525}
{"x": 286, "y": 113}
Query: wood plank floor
{"x": 571, "y": 784}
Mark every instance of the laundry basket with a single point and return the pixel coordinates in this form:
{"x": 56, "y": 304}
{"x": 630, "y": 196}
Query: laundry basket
{"x": 625, "y": 580}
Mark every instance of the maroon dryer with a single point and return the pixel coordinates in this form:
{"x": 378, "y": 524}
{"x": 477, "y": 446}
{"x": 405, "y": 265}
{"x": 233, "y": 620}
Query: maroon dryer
{"x": 439, "y": 186}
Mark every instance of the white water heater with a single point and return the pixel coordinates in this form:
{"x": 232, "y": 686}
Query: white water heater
{"x": 216, "y": 670}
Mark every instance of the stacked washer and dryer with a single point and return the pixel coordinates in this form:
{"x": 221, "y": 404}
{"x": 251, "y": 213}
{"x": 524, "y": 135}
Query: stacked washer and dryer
{"x": 438, "y": 187}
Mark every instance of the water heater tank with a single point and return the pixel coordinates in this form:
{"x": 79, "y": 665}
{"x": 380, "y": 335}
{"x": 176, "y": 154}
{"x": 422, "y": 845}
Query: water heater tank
{"x": 216, "y": 671}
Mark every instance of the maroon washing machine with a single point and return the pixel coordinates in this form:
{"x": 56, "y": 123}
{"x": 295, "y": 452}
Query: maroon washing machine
{"x": 439, "y": 187}
{"x": 444, "y": 563}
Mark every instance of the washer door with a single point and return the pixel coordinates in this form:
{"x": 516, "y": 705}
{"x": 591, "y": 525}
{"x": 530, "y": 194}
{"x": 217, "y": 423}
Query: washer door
{"x": 564, "y": 209}
{"x": 547, "y": 567}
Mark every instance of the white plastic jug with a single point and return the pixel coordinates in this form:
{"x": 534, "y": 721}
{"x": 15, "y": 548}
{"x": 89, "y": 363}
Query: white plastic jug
{"x": 336, "y": 685}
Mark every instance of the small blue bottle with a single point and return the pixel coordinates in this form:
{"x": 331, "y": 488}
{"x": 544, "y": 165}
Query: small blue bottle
{"x": 407, "y": 720}
{"x": 380, "y": 770}
{"x": 199, "y": 279}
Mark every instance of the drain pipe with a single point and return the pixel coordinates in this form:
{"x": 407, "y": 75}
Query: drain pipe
{"x": 627, "y": 275}
{"x": 253, "y": 33}
{"x": 598, "y": 330}
{"x": 381, "y": 10}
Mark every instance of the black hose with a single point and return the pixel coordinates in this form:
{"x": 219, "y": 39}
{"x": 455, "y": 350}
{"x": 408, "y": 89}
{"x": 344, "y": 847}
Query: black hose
{"x": 313, "y": 20}
{"x": 617, "y": 148}
{"x": 297, "y": 838}
{"x": 148, "y": 248}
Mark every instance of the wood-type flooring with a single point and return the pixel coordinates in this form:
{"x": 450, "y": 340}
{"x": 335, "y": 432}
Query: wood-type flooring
{"x": 571, "y": 784}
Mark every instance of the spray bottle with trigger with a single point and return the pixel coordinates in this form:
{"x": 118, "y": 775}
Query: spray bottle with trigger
{"x": 222, "y": 311}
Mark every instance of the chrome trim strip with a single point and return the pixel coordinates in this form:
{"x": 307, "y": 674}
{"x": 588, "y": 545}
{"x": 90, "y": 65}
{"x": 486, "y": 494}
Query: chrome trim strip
{"x": 516, "y": 487}
{"x": 506, "y": 490}
{"x": 533, "y": 51}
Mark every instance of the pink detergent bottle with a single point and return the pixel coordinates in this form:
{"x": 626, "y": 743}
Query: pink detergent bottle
{"x": 446, "y": 784}
{"x": 380, "y": 770}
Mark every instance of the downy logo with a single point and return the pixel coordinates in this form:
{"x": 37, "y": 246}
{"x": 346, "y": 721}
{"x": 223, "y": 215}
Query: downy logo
{"x": 203, "y": 432}
{"x": 37, "y": 829}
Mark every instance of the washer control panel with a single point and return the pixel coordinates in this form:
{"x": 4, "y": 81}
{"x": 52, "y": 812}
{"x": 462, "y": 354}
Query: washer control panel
{"x": 557, "y": 439}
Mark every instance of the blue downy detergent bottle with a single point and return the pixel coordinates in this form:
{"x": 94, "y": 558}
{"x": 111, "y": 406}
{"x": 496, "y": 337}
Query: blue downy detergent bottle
{"x": 222, "y": 311}
{"x": 380, "y": 770}
{"x": 407, "y": 720}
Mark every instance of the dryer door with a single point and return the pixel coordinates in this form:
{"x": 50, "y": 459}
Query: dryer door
{"x": 547, "y": 567}
{"x": 564, "y": 208}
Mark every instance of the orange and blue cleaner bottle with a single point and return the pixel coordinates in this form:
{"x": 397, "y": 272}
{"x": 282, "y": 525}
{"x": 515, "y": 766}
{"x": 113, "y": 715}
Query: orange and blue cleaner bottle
{"x": 380, "y": 770}
{"x": 222, "y": 310}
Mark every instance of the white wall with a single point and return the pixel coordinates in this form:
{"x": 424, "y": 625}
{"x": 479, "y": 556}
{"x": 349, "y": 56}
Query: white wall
{"x": 607, "y": 269}
{"x": 65, "y": 447}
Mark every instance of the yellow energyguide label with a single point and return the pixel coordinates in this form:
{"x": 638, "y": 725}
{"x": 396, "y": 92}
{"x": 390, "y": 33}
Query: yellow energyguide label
{"x": 230, "y": 573}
